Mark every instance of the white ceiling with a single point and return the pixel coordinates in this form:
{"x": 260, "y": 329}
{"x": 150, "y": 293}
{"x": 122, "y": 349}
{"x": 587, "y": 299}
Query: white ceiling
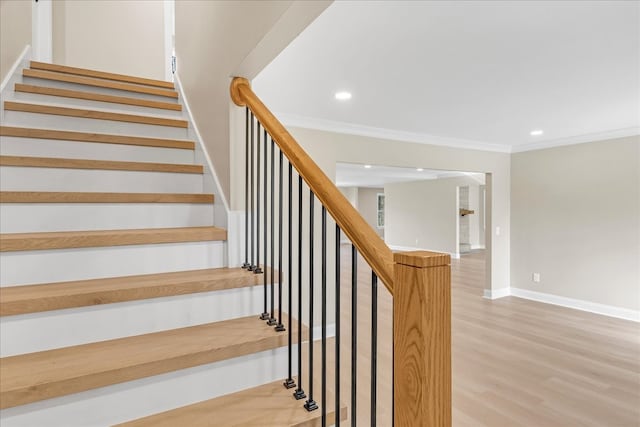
{"x": 477, "y": 74}
{"x": 356, "y": 175}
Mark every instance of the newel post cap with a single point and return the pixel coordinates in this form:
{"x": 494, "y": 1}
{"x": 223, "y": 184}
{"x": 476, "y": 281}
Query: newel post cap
{"x": 234, "y": 90}
{"x": 422, "y": 259}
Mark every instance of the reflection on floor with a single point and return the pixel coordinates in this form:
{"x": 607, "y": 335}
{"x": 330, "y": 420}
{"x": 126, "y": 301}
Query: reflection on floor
{"x": 515, "y": 362}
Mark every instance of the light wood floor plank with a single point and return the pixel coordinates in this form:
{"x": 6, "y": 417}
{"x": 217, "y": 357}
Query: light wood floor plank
{"x": 54, "y": 162}
{"x": 94, "y": 197}
{"x": 85, "y": 113}
{"x": 11, "y": 242}
{"x": 268, "y": 405}
{"x": 43, "y": 375}
{"x": 91, "y": 96}
{"x": 56, "y": 296}
{"x": 100, "y": 74}
{"x": 62, "y": 77}
{"x": 515, "y": 362}
{"x": 94, "y": 137}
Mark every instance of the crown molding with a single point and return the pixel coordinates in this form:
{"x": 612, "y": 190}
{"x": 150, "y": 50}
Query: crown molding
{"x": 578, "y": 139}
{"x": 381, "y": 133}
{"x": 421, "y": 138}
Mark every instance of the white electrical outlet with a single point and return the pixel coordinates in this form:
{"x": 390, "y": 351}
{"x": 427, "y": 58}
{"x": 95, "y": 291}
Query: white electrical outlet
{"x": 497, "y": 231}
{"x": 536, "y": 277}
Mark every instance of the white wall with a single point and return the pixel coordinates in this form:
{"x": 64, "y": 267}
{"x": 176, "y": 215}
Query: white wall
{"x": 473, "y": 221}
{"x": 422, "y": 214}
{"x": 124, "y": 37}
{"x": 15, "y": 32}
{"x": 474, "y": 232}
{"x": 328, "y": 148}
{"x": 576, "y": 221}
{"x": 480, "y": 217}
{"x": 351, "y": 193}
{"x": 216, "y": 40}
{"x": 368, "y": 207}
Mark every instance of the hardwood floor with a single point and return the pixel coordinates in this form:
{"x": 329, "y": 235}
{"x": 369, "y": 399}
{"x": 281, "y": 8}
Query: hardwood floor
{"x": 515, "y": 362}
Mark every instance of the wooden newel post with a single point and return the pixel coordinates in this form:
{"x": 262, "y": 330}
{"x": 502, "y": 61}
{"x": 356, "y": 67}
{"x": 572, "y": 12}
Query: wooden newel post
{"x": 422, "y": 339}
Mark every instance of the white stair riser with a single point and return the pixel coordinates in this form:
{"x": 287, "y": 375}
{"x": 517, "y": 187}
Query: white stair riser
{"x": 63, "y": 328}
{"x": 90, "y": 104}
{"x": 81, "y": 124}
{"x": 135, "y": 399}
{"x": 30, "y": 267}
{"x": 15, "y": 146}
{"x": 36, "y": 217}
{"x": 87, "y": 88}
{"x": 17, "y": 178}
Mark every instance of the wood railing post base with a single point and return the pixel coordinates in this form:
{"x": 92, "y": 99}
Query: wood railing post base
{"x": 422, "y": 339}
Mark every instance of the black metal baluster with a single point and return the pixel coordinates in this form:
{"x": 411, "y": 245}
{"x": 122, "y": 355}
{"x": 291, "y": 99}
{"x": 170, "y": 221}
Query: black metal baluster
{"x": 289, "y": 383}
{"x": 354, "y": 333}
{"x": 246, "y": 190}
{"x": 299, "y": 393}
{"x": 252, "y": 266}
{"x": 280, "y": 327}
{"x": 374, "y": 346}
{"x": 256, "y": 268}
{"x": 323, "y": 394}
{"x": 337, "y": 404}
{"x": 310, "y": 404}
{"x": 272, "y": 318}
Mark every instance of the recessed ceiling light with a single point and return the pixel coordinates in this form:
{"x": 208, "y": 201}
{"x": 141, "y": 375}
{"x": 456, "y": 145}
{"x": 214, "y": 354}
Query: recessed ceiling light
{"x": 343, "y": 96}
{"x": 419, "y": 169}
{"x": 536, "y": 132}
{"x": 367, "y": 166}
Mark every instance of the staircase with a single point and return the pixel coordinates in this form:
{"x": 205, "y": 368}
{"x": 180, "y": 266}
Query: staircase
{"x": 116, "y": 305}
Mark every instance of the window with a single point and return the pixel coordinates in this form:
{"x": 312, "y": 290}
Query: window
{"x": 380, "y": 210}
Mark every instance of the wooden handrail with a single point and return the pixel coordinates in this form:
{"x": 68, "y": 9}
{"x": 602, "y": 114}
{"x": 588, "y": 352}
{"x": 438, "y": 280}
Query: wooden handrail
{"x": 365, "y": 239}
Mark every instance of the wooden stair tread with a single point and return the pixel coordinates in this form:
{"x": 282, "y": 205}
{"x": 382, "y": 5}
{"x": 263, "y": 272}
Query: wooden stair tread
{"x": 62, "y": 135}
{"x": 91, "y": 96}
{"x": 90, "y": 81}
{"x": 54, "y": 162}
{"x": 100, "y": 74}
{"x": 27, "y": 107}
{"x": 56, "y": 296}
{"x": 94, "y": 197}
{"x": 268, "y": 405}
{"x": 83, "y": 239}
{"x": 37, "y": 376}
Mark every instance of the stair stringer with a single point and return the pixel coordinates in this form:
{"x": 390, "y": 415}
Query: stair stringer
{"x": 211, "y": 183}
{"x": 14, "y": 75}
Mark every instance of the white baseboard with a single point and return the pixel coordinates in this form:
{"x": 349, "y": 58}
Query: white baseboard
{"x": 497, "y": 293}
{"x": 593, "y": 307}
{"x": 454, "y": 255}
{"x": 576, "y": 304}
